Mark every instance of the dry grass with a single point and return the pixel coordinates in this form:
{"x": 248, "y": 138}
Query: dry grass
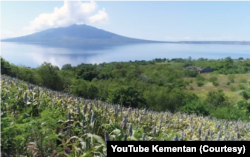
{"x": 222, "y": 80}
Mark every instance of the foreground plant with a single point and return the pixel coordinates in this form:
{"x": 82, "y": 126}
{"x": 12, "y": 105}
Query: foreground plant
{"x": 38, "y": 121}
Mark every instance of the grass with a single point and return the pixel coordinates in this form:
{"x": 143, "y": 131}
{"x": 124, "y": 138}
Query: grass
{"x": 222, "y": 84}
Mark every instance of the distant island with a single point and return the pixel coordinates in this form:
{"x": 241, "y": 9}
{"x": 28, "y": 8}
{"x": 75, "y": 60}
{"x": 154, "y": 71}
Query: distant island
{"x": 217, "y": 42}
{"x": 91, "y": 37}
{"x": 77, "y": 36}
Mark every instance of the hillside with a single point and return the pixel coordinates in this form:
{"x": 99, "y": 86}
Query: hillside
{"x": 61, "y": 111}
{"x": 77, "y": 35}
{"x": 159, "y": 84}
{"x": 45, "y": 122}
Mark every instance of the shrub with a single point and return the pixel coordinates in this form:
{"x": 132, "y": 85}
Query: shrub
{"x": 243, "y": 81}
{"x": 228, "y": 83}
{"x": 245, "y": 94}
{"x": 191, "y": 88}
{"x": 231, "y": 113}
{"x": 200, "y": 83}
{"x": 242, "y": 87}
{"x": 213, "y": 79}
{"x": 186, "y": 83}
{"x": 196, "y": 107}
{"x": 126, "y": 96}
{"x": 217, "y": 98}
{"x": 190, "y": 73}
{"x": 231, "y": 78}
{"x": 232, "y": 88}
{"x": 243, "y": 105}
{"x": 215, "y": 83}
{"x": 200, "y": 78}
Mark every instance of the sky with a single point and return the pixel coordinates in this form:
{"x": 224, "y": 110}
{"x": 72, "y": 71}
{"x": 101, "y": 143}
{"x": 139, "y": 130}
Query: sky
{"x": 151, "y": 20}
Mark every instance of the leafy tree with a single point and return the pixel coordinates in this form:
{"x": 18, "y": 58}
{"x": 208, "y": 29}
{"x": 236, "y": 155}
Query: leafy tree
{"x": 245, "y": 94}
{"x": 5, "y": 67}
{"x": 126, "y": 96}
{"x": 92, "y": 91}
{"x": 67, "y": 67}
{"x": 86, "y": 72}
{"x": 227, "y": 63}
{"x": 191, "y": 73}
{"x": 50, "y": 77}
{"x": 196, "y": 107}
{"x": 217, "y": 98}
{"x": 80, "y": 88}
{"x": 244, "y": 105}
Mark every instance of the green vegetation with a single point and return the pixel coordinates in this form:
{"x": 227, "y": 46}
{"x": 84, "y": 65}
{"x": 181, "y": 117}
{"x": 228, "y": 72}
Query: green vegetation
{"x": 160, "y": 84}
{"x": 156, "y": 97}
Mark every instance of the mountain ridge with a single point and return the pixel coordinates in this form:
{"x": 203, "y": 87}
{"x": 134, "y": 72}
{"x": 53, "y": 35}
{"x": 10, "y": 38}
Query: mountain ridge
{"x": 89, "y": 36}
{"x": 81, "y": 32}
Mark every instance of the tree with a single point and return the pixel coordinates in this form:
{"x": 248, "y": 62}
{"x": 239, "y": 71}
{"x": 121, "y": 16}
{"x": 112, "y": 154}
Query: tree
{"x": 227, "y": 63}
{"x": 5, "y": 67}
{"x": 80, "y": 88}
{"x": 87, "y": 72}
{"x": 196, "y": 107}
{"x": 50, "y": 77}
{"x": 217, "y": 98}
{"x": 92, "y": 91}
{"x": 67, "y": 67}
{"x": 126, "y": 96}
{"x": 244, "y": 105}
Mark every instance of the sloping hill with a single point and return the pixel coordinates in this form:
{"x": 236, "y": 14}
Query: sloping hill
{"x": 77, "y": 35}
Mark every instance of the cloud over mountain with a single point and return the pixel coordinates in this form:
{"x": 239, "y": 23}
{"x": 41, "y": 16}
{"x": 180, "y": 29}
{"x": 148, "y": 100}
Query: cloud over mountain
{"x": 72, "y": 12}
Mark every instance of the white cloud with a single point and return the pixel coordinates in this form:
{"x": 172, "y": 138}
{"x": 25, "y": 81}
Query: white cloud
{"x": 72, "y": 12}
{"x": 100, "y": 17}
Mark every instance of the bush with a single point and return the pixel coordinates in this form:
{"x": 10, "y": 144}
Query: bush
{"x": 190, "y": 73}
{"x": 200, "y": 78}
{"x": 215, "y": 83}
{"x": 191, "y": 88}
{"x": 217, "y": 98}
{"x": 231, "y": 78}
{"x": 245, "y": 94}
{"x": 200, "y": 83}
{"x": 50, "y": 77}
{"x": 213, "y": 79}
{"x": 243, "y": 81}
{"x": 186, "y": 83}
{"x": 242, "y": 87}
{"x": 244, "y": 106}
{"x": 228, "y": 83}
{"x": 126, "y": 96}
{"x": 232, "y": 88}
{"x": 196, "y": 107}
{"x": 229, "y": 113}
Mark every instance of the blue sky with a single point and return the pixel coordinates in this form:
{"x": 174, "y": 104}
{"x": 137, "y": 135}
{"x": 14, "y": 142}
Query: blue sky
{"x": 153, "y": 20}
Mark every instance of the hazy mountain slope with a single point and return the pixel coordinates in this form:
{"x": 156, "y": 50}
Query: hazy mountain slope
{"x": 76, "y": 35}
{"x": 88, "y": 36}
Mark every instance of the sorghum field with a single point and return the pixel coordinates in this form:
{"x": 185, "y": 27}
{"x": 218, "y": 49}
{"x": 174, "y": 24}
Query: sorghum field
{"x": 37, "y": 121}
